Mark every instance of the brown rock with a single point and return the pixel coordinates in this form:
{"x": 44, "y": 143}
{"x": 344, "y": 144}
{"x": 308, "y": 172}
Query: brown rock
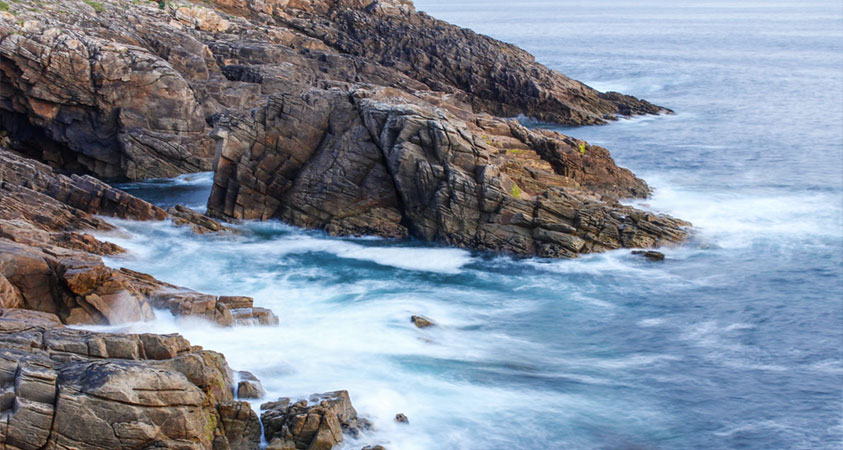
{"x": 127, "y": 92}
{"x": 71, "y": 388}
{"x": 421, "y": 321}
{"x": 249, "y": 386}
{"x": 317, "y": 423}
{"x": 241, "y": 426}
{"x": 378, "y": 161}
{"x": 650, "y": 254}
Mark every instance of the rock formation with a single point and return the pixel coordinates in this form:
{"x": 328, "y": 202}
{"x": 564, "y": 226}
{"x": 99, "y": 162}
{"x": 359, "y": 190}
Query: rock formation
{"x": 48, "y": 263}
{"x": 63, "y": 388}
{"x": 317, "y": 423}
{"x": 397, "y": 110}
{"x": 381, "y": 161}
{"x": 350, "y": 116}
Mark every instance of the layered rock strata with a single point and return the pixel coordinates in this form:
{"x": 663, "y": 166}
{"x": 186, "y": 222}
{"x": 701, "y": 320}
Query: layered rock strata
{"x": 64, "y": 388}
{"x": 384, "y": 162}
{"x": 125, "y": 89}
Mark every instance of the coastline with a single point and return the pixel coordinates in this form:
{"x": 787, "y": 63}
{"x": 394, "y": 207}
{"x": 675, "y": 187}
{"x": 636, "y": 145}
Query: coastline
{"x": 534, "y": 192}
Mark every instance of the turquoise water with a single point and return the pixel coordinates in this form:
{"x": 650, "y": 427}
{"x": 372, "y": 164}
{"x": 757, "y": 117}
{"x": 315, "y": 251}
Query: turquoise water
{"x": 735, "y": 341}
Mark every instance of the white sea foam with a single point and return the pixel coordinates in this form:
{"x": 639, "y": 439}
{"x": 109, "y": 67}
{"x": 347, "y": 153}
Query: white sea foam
{"x": 736, "y": 220}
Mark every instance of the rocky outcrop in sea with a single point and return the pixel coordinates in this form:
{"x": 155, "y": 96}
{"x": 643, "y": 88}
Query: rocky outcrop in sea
{"x": 356, "y": 117}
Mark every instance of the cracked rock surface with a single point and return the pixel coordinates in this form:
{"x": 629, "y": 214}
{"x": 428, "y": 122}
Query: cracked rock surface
{"x": 64, "y": 388}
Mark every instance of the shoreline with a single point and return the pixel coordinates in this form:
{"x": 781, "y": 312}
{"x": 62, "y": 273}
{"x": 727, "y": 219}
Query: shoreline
{"x": 302, "y": 120}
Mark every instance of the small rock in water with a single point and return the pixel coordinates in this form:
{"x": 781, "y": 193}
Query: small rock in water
{"x": 401, "y": 418}
{"x": 373, "y": 447}
{"x": 421, "y": 321}
{"x": 249, "y": 386}
{"x": 649, "y": 254}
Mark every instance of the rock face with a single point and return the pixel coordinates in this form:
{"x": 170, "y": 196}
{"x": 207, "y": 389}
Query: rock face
{"x": 63, "y": 388}
{"x": 380, "y": 161}
{"x": 314, "y": 424}
{"x": 127, "y": 90}
{"x": 491, "y": 76}
{"x": 48, "y": 263}
{"x": 352, "y": 116}
{"x": 97, "y": 106}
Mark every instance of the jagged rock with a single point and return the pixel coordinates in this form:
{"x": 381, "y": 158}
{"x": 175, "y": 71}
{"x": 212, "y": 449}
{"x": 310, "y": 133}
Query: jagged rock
{"x": 492, "y": 76}
{"x": 379, "y": 161}
{"x": 421, "y": 321}
{"x": 241, "y": 426}
{"x": 47, "y": 263}
{"x": 93, "y": 105}
{"x": 200, "y": 223}
{"x": 420, "y": 158}
{"x": 249, "y": 386}
{"x": 127, "y": 91}
{"x": 650, "y": 254}
{"x": 315, "y": 424}
{"x": 63, "y": 388}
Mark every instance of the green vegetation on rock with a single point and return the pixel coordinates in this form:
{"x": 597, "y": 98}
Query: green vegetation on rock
{"x": 98, "y": 7}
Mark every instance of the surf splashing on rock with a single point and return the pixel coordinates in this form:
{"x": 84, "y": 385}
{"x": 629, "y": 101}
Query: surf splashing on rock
{"x": 732, "y": 341}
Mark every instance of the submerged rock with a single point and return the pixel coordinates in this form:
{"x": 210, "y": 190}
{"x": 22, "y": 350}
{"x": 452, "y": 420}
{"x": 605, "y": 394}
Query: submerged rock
{"x": 650, "y": 254}
{"x": 314, "y": 424}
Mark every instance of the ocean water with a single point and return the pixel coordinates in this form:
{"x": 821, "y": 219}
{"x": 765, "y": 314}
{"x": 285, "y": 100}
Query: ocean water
{"x": 734, "y": 341}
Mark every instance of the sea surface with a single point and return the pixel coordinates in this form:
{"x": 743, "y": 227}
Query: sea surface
{"x": 734, "y": 341}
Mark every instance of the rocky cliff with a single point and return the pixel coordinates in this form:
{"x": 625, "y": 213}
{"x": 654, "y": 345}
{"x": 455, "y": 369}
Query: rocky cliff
{"x": 353, "y": 116}
{"x": 381, "y": 161}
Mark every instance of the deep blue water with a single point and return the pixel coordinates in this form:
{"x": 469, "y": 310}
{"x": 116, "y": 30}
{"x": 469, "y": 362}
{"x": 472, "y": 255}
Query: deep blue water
{"x": 735, "y": 341}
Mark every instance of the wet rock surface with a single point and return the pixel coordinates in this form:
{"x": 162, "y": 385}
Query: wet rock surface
{"x": 649, "y": 254}
{"x": 317, "y": 423}
{"x": 421, "y": 321}
{"x": 49, "y": 263}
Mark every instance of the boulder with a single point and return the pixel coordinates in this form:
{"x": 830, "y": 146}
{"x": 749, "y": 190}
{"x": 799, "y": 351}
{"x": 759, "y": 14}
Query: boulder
{"x": 383, "y": 162}
{"x": 421, "y": 321}
{"x": 316, "y": 423}
{"x": 248, "y": 386}
{"x": 63, "y": 388}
